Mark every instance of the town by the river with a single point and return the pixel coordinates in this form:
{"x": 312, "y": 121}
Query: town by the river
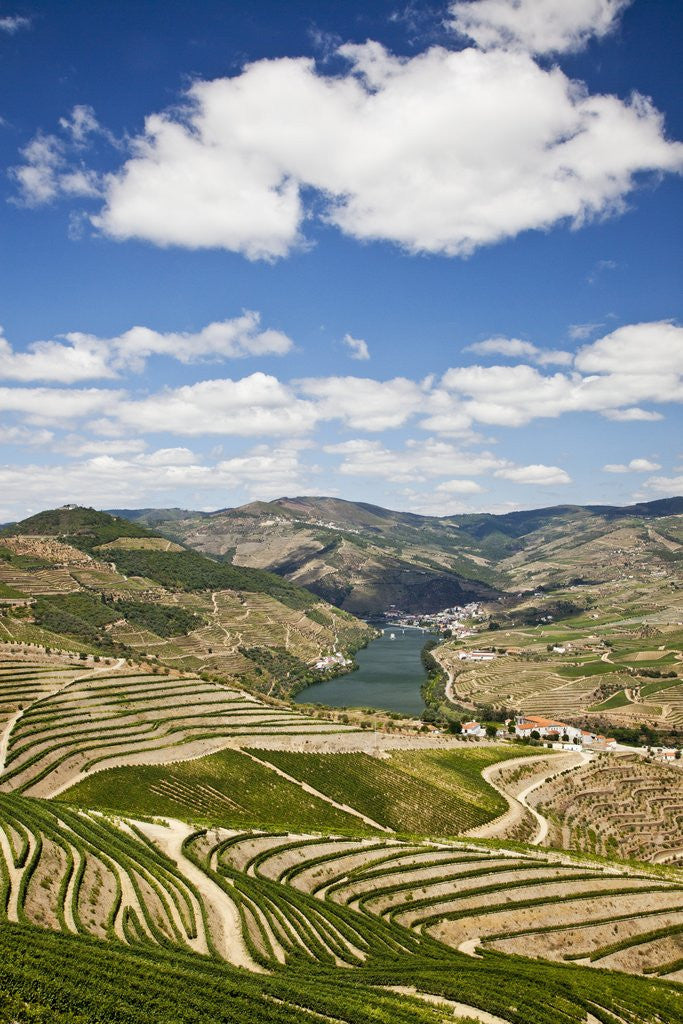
{"x": 389, "y": 675}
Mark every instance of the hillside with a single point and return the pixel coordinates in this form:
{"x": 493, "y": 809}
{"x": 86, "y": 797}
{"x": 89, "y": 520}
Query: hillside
{"x": 211, "y": 856}
{"x": 365, "y": 559}
{"x": 77, "y": 579}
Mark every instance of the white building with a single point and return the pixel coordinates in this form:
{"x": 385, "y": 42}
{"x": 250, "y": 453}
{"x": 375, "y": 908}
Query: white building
{"x": 547, "y": 728}
{"x": 473, "y": 729}
{"x": 476, "y": 655}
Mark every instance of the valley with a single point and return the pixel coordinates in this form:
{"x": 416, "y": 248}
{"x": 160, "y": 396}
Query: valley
{"x": 168, "y": 812}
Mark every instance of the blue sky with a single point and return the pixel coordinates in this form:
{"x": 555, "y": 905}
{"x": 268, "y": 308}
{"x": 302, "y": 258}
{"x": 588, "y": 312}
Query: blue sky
{"x": 426, "y": 256}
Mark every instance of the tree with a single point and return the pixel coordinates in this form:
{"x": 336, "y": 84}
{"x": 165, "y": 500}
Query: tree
{"x": 511, "y": 727}
{"x": 535, "y": 734}
{"x": 455, "y": 726}
{"x": 491, "y": 731}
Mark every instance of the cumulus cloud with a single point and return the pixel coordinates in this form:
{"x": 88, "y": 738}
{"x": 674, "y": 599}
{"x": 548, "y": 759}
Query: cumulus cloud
{"x": 363, "y": 403}
{"x": 53, "y": 164}
{"x": 358, "y": 349}
{"x": 459, "y": 487}
{"x": 252, "y": 406}
{"x": 78, "y": 356}
{"x": 515, "y": 348}
{"x": 442, "y": 152}
{"x": 632, "y": 415}
{"x": 634, "y": 466}
{"x": 81, "y": 124}
{"x": 24, "y": 435}
{"x": 108, "y": 480}
{"x": 635, "y": 363}
{"x": 537, "y": 26}
{"x": 57, "y": 405}
{"x": 637, "y": 350}
{"x": 535, "y": 474}
{"x": 417, "y": 460}
{"x": 669, "y": 485}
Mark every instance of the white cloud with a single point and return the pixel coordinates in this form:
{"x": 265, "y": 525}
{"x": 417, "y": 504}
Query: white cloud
{"x": 538, "y": 26}
{"x": 460, "y": 487}
{"x": 252, "y": 406}
{"x": 416, "y": 461}
{"x": 634, "y": 466}
{"x": 442, "y": 152}
{"x": 579, "y": 332}
{"x": 636, "y": 349}
{"x": 81, "y": 124}
{"x": 669, "y": 485}
{"x": 57, "y": 405}
{"x": 163, "y": 475}
{"x": 77, "y": 356}
{"x": 13, "y": 23}
{"x": 636, "y": 363}
{"x": 363, "y": 403}
{"x": 78, "y": 447}
{"x": 38, "y": 177}
{"x": 24, "y": 435}
{"x": 536, "y": 474}
{"x": 514, "y": 348}
{"x": 632, "y": 415}
{"x": 358, "y": 348}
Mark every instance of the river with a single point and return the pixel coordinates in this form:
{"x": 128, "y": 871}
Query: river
{"x": 389, "y": 676}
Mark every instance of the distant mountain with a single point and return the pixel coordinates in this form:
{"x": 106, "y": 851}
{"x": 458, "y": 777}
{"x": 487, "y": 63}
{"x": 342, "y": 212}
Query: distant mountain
{"x": 365, "y": 558}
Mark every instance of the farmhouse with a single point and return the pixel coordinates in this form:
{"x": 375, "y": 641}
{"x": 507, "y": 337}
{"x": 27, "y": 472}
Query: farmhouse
{"x": 473, "y": 729}
{"x": 598, "y": 742}
{"x": 547, "y": 728}
{"x": 476, "y": 655}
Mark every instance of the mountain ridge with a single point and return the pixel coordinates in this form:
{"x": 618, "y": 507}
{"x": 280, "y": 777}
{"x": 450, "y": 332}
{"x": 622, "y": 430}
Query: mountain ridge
{"x": 365, "y": 558}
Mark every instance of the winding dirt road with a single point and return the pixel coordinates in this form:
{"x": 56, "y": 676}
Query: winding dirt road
{"x": 518, "y": 805}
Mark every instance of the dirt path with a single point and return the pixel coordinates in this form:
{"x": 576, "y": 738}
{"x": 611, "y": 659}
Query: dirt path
{"x": 452, "y": 696}
{"x": 4, "y": 740}
{"x": 517, "y": 805}
{"x": 316, "y": 792}
{"x": 542, "y": 822}
{"x": 170, "y": 839}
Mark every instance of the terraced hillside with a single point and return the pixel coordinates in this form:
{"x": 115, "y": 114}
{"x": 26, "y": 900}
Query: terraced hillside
{"x": 464, "y": 896}
{"x": 108, "y": 717}
{"x": 89, "y": 582}
{"x": 619, "y": 805}
{"x": 301, "y": 907}
{"x": 79, "y": 873}
{"x": 609, "y": 664}
{"x": 25, "y": 678}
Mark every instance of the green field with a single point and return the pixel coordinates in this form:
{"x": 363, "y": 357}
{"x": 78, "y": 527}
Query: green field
{"x": 416, "y": 793}
{"x": 425, "y": 793}
{"x": 617, "y": 700}
{"x": 226, "y": 788}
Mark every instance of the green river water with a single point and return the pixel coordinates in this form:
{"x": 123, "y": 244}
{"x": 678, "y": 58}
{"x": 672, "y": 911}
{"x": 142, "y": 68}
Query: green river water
{"x": 389, "y": 676}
